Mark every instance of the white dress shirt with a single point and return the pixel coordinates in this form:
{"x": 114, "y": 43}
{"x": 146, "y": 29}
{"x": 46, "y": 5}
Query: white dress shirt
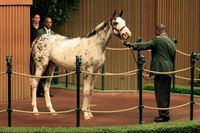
{"x": 48, "y": 30}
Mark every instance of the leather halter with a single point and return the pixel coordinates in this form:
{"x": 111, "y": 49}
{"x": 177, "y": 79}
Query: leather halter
{"x": 119, "y": 31}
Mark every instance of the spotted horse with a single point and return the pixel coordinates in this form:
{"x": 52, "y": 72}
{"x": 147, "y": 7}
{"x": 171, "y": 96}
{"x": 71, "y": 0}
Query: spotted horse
{"x": 50, "y": 50}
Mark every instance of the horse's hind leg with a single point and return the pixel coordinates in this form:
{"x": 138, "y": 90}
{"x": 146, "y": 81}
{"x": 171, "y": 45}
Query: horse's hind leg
{"x": 50, "y": 71}
{"x": 34, "y": 84}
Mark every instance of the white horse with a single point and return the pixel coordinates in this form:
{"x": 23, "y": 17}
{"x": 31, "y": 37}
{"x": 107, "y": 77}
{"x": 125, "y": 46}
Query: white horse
{"x": 50, "y": 50}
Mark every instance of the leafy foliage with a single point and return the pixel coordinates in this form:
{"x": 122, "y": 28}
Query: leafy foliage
{"x": 56, "y": 9}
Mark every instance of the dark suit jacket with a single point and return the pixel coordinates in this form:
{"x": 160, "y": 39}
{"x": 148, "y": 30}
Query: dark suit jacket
{"x": 163, "y": 51}
{"x": 42, "y": 31}
{"x": 34, "y": 32}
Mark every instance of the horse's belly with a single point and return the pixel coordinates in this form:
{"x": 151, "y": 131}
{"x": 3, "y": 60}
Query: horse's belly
{"x": 64, "y": 61}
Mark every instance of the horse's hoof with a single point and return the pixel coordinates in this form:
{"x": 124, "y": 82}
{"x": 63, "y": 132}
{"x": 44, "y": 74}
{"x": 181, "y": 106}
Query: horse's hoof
{"x": 90, "y": 114}
{"x": 87, "y": 117}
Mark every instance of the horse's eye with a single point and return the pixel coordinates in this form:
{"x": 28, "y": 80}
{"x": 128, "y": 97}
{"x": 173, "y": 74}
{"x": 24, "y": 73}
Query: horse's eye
{"x": 115, "y": 23}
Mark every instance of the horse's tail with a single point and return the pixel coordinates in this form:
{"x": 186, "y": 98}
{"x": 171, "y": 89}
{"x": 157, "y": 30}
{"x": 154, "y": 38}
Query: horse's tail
{"x": 32, "y": 64}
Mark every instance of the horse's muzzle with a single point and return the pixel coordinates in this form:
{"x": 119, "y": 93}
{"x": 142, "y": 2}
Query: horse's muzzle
{"x": 126, "y": 34}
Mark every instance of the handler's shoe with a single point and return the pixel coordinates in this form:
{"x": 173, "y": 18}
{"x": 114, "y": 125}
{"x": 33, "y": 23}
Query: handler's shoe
{"x": 51, "y": 94}
{"x": 40, "y": 94}
{"x": 161, "y": 119}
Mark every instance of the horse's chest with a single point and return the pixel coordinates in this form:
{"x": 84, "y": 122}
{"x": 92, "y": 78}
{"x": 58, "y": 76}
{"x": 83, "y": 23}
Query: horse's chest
{"x": 93, "y": 60}
{"x": 93, "y": 55}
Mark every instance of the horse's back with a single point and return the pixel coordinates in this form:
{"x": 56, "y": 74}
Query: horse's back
{"x": 62, "y": 51}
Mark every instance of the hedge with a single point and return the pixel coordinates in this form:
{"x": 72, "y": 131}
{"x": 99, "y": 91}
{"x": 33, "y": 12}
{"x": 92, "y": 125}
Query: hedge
{"x": 178, "y": 89}
{"x": 168, "y": 127}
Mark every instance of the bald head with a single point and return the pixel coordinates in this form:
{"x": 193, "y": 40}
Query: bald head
{"x": 160, "y": 28}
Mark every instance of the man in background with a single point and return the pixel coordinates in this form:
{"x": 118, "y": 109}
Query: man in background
{"x": 35, "y": 26}
{"x": 46, "y": 29}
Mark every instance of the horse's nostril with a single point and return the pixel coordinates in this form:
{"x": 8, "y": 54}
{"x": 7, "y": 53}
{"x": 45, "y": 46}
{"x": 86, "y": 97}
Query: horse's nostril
{"x": 127, "y": 35}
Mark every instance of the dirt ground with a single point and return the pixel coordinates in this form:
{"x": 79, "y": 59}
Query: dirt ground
{"x": 66, "y": 100}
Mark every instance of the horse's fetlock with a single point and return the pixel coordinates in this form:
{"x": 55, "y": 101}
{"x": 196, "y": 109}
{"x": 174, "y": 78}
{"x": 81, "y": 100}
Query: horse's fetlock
{"x": 34, "y": 104}
{"x": 49, "y": 106}
{"x": 84, "y": 109}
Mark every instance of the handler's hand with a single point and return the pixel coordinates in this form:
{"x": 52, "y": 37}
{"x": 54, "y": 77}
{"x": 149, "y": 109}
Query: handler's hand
{"x": 127, "y": 44}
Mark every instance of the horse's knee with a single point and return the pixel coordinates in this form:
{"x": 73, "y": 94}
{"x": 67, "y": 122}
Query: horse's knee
{"x": 34, "y": 83}
{"x": 87, "y": 92}
{"x": 46, "y": 88}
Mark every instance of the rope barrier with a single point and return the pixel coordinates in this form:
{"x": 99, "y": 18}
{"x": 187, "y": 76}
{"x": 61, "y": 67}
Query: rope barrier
{"x": 197, "y": 69}
{"x": 2, "y": 73}
{"x": 178, "y": 51}
{"x": 61, "y": 75}
{"x": 117, "y": 49}
{"x": 180, "y": 77}
{"x": 30, "y": 112}
{"x": 197, "y": 103}
{"x": 115, "y": 111}
{"x": 196, "y": 79}
{"x": 112, "y": 74}
{"x": 145, "y": 75}
{"x": 1, "y": 111}
{"x": 129, "y": 74}
{"x": 186, "y": 78}
{"x": 156, "y": 72}
{"x": 183, "y": 78}
{"x": 175, "y": 107}
{"x": 115, "y": 91}
{"x": 121, "y": 49}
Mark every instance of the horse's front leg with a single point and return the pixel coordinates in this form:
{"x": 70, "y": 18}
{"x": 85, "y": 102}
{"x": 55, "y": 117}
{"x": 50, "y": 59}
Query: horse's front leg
{"x": 34, "y": 84}
{"x": 90, "y": 96}
{"x": 50, "y": 71}
{"x": 86, "y": 93}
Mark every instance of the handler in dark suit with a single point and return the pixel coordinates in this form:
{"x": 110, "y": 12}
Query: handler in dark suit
{"x": 163, "y": 55}
{"x": 44, "y": 30}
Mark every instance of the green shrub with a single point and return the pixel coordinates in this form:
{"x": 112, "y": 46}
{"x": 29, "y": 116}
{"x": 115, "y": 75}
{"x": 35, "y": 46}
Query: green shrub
{"x": 178, "y": 89}
{"x": 168, "y": 127}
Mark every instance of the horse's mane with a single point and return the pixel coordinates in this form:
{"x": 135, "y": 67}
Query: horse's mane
{"x": 97, "y": 29}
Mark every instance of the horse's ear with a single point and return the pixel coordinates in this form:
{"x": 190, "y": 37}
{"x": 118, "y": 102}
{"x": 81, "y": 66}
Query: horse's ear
{"x": 121, "y": 13}
{"x": 114, "y": 13}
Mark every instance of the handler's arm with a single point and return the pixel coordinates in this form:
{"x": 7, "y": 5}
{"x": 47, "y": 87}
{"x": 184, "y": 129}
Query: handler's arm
{"x": 140, "y": 45}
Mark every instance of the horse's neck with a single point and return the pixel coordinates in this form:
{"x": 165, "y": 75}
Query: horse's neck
{"x": 103, "y": 37}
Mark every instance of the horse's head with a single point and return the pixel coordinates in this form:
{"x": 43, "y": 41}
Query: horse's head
{"x": 119, "y": 26}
